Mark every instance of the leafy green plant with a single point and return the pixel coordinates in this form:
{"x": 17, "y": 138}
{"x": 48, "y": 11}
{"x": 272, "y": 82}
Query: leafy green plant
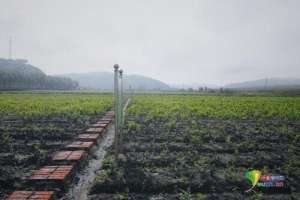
{"x": 5, "y": 142}
{"x": 184, "y": 195}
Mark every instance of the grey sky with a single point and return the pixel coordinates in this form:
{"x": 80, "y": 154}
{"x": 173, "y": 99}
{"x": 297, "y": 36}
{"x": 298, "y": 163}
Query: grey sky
{"x": 176, "y": 41}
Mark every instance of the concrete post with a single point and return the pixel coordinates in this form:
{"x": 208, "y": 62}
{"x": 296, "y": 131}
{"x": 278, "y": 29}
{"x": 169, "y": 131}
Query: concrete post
{"x": 120, "y": 108}
{"x": 116, "y": 102}
{"x": 121, "y": 98}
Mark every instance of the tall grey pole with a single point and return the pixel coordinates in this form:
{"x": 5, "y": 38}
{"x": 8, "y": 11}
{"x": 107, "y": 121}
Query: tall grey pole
{"x": 121, "y": 98}
{"x": 116, "y": 99}
{"x": 120, "y": 108}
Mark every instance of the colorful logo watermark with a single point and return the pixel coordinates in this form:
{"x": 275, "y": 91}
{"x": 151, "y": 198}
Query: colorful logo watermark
{"x": 264, "y": 181}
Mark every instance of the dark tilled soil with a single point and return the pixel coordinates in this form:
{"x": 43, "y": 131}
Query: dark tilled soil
{"x": 202, "y": 159}
{"x": 28, "y": 144}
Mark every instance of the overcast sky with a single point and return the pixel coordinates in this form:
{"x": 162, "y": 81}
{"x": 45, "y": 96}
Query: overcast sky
{"x": 176, "y": 41}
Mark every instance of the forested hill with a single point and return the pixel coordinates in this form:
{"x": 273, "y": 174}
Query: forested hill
{"x": 104, "y": 81}
{"x": 18, "y": 75}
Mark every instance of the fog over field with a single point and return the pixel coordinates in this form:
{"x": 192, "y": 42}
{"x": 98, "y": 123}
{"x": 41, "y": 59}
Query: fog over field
{"x": 179, "y": 42}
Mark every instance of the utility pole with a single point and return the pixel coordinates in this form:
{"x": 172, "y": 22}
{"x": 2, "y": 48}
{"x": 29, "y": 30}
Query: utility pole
{"x": 10, "y": 48}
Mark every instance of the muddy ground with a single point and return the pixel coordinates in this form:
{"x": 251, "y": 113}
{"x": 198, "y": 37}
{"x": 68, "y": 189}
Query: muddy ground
{"x": 28, "y": 144}
{"x": 200, "y": 159}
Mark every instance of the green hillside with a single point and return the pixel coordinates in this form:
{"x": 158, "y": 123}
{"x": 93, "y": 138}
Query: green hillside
{"x": 18, "y": 75}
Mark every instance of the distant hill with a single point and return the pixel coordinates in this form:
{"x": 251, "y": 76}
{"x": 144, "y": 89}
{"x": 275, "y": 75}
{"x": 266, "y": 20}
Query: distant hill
{"x": 104, "y": 81}
{"x": 18, "y": 75}
{"x": 271, "y": 83}
{"x": 194, "y": 86}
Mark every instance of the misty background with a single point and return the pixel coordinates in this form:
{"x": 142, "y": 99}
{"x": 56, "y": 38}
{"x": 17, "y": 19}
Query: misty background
{"x": 178, "y": 42}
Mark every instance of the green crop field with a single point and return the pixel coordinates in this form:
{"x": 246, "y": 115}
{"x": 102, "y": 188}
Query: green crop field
{"x": 200, "y": 147}
{"x": 176, "y": 146}
{"x": 31, "y": 105}
{"x": 217, "y": 107}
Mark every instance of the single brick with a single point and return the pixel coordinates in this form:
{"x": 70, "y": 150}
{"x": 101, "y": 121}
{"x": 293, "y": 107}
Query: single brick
{"x": 42, "y": 195}
{"x": 77, "y": 155}
{"x": 88, "y": 137}
{"x": 109, "y": 116}
{"x": 61, "y": 155}
{"x": 103, "y": 121}
{"x": 106, "y": 119}
{"x": 95, "y": 130}
{"x": 68, "y": 155}
{"x": 31, "y": 195}
{"x": 110, "y": 113}
{"x": 56, "y": 172}
{"x": 99, "y": 125}
{"x": 19, "y": 195}
{"x": 80, "y": 145}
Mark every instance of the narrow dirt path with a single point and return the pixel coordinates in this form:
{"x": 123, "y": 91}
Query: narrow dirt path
{"x": 80, "y": 190}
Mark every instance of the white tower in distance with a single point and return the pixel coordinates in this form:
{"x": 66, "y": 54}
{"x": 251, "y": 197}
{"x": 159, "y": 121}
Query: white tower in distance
{"x": 10, "y": 48}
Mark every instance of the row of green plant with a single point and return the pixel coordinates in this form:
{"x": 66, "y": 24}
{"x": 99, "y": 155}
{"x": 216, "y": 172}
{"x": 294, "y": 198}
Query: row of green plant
{"x": 72, "y": 105}
{"x": 216, "y": 107}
